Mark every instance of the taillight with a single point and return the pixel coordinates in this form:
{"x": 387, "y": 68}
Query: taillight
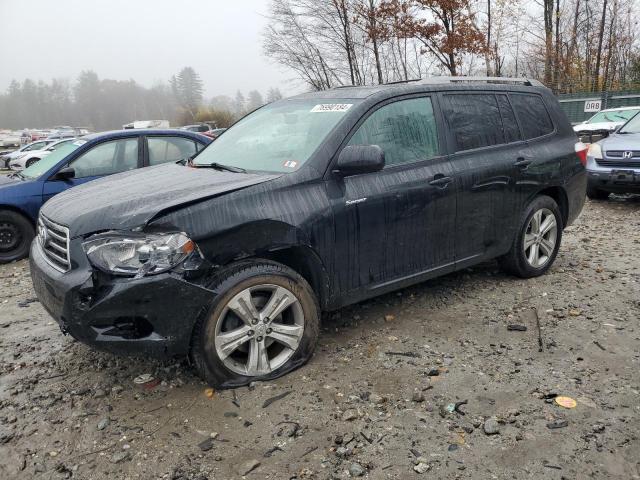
{"x": 581, "y": 151}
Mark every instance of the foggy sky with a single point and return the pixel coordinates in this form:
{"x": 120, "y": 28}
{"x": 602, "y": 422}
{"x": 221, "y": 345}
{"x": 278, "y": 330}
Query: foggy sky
{"x": 144, "y": 40}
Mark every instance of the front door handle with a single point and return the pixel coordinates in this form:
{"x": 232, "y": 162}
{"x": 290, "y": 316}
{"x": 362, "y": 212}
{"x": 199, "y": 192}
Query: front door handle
{"x": 523, "y": 162}
{"x": 440, "y": 180}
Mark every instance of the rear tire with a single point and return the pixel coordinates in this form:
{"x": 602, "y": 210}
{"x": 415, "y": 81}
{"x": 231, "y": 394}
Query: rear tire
{"x": 596, "y": 194}
{"x": 16, "y": 234}
{"x": 263, "y": 323}
{"x": 536, "y": 245}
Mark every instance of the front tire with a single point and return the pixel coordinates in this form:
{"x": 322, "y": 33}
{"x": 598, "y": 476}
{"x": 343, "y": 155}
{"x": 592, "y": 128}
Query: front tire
{"x": 536, "y": 245}
{"x": 16, "y": 234}
{"x": 263, "y": 323}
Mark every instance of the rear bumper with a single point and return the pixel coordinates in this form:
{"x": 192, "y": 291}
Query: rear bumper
{"x": 152, "y": 316}
{"x": 576, "y": 189}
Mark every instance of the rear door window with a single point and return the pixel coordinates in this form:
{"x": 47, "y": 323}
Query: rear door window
{"x": 533, "y": 115}
{"x": 474, "y": 120}
{"x": 405, "y": 130}
{"x": 170, "y": 149}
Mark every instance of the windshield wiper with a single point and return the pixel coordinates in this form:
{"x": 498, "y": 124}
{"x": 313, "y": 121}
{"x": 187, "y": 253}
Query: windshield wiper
{"x": 19, "y": 175}
{"x": 219, "y": 166}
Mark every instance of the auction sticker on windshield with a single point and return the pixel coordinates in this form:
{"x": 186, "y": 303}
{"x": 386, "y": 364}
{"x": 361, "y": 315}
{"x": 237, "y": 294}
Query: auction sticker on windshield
{"x": 332, "y": 107}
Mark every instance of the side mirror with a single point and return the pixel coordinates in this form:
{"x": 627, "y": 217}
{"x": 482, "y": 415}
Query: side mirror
{"x": 357, "y": 159}
{"x": 66, "y": 173}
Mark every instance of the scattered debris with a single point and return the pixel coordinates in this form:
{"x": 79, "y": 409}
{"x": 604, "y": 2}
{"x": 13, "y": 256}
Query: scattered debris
{"x": 566, "y": 402}
{"x": 248, "y": 466}
{"x": 597, "y": 344}
{"x": 144, "y": 378}
{"x": 514, "y": 327}
{"x": 271, "y": 400}
{"x": 404, "y": 354}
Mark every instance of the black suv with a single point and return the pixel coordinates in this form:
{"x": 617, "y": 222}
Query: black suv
{"x": 306, "y": 205}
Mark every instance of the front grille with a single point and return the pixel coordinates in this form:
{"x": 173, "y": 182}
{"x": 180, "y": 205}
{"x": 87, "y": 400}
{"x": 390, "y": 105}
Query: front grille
{"x": 623, "y": 154}
{"x": 53, "y": 238}
{"x": 618, "y": 163}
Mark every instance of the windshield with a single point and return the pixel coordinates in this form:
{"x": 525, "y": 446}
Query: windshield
{"x": 38, "y": 168}
{"x": 614, "y": 116}
{"x": 632, "y": 126}
{"x": 279, "y": 137}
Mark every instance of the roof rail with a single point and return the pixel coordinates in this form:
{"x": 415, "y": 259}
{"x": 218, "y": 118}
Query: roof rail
{"x": 403, "y": 81}
{"x": 497, "y": 80}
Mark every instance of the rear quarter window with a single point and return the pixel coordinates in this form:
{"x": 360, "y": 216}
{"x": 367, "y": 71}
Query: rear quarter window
{"x": 533, "y": 115}
{"x": 474, "y": 120}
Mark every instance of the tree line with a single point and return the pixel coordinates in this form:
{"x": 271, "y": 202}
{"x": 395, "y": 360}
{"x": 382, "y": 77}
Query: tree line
{"x": 570, "y": 45}
{"x": 103, "y": 104}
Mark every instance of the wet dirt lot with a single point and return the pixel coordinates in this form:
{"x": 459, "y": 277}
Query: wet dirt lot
{"x": 377, "y": 399}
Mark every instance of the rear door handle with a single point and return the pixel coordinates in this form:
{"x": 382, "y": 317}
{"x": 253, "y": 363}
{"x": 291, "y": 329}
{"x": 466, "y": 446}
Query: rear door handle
{"x": 440, "y": 180}
{"x": 523, "y": 162}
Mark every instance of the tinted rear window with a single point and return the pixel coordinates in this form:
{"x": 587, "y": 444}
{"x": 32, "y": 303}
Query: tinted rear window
{"x": 533, "y": 115}
{"x": 474, "y": 120}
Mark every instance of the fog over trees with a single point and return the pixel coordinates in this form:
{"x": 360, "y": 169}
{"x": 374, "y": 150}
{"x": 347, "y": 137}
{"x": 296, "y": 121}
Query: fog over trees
{"x": 103, "y": 104}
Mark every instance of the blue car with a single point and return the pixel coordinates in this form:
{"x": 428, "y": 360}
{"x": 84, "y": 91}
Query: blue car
{"x": 77, "y": 162}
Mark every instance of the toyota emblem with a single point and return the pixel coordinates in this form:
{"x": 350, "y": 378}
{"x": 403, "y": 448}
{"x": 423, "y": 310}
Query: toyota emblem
{"x": 42, "y": 234}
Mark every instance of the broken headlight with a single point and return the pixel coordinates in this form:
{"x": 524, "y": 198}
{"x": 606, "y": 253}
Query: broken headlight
{"x": 138, "y": 254}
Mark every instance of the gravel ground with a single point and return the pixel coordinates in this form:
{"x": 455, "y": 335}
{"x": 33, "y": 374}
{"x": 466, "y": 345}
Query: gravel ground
{"x": 377, "y": 399}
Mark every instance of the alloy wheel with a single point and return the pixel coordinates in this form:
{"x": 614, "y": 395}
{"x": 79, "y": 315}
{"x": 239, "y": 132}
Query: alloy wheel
{"x": 540, "y": 238}
{"x": 259, "y": 330}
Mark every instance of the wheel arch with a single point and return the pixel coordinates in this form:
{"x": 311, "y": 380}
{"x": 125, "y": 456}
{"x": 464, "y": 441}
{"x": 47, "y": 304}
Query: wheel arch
{"x": 271, "y": 240}
{"x": 561, "y": 198}
{"x": 18, "y": 210}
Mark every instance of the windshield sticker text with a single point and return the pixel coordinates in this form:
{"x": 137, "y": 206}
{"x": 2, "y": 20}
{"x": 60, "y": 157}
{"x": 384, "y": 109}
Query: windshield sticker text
{"x": 331, "y": 107}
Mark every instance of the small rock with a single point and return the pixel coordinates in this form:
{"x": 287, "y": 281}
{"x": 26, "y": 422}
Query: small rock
{"x": 491, "y": 426}
{"x": 418, "y": 397}
{"x": 99, "y": 393}
{"x": 434, "y": 372}
{"x": 557, "y": 424}
{"x": 120, "y": 457}
{"x": 104, "y": 423}
{"x": 377, "y": 399}
{"x": 389, "y": 318}
{"x": 349, "y": 415}
{"x": 356, "y": 470}
{"x": 206, "y": 445}
{"x": 5, "y": 435}
{"x": 117, "y": 389}
{"x": 248, "y": 466}
{"x": 421, "y": 468}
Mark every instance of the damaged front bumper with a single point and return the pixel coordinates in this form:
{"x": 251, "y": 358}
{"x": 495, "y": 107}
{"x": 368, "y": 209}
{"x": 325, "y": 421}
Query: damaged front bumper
{"x": 153, "y": 316}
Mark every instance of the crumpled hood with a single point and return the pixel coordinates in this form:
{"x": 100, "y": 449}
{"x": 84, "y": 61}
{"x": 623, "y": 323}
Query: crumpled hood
{"x": 131, "y": 199}
{"x": 626, "y": 141}
{"x": 593, "y": 127}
